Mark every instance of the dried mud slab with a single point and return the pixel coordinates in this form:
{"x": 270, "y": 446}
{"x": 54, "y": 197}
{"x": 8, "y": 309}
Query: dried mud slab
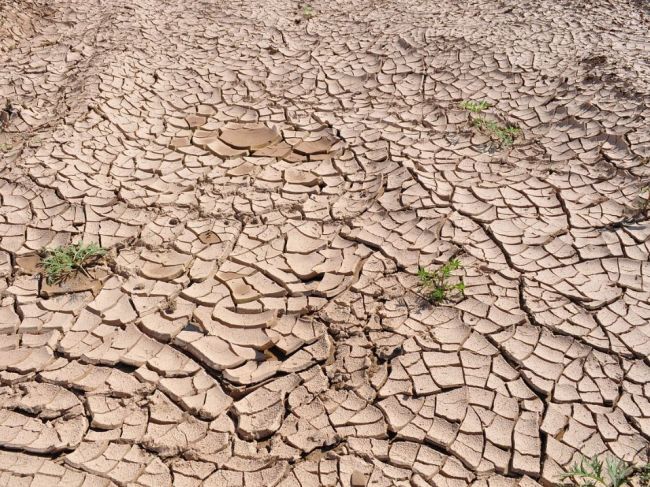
{"x": 268, "y": 179}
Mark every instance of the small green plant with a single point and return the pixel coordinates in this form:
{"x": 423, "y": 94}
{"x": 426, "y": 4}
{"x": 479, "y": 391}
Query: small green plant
{"x": 436, "y": 285}
{"x": 308, "y": 11}
{"x": 504, "y": 134}
{"x": 4, "y": 147}
{"x": 616, "y": 473}
{"x": 62, "y": 262}
{"x": 644, "y": 475}
{"x": 474, "y": 106}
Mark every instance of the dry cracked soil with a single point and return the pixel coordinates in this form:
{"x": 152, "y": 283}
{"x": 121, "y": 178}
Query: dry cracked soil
{"x": 268, "y": 177}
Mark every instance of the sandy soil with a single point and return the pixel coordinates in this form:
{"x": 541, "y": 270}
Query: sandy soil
{"x": 268, "y": 178}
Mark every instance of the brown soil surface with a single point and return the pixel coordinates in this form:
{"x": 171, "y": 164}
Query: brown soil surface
{"x": 268, "y": 177}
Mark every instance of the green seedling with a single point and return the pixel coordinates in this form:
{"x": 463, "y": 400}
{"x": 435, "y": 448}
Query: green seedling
{"x": 504, "y": 134}
{"x": 435, "y": 284}
{"x": 474, "y": 106}
{"x": 308, "y": 11}
{"x": 5, "y": 147}
{"x": 644, "y": 475}
{"x": 62, "y": 262}
{"x": 592, "y": 473}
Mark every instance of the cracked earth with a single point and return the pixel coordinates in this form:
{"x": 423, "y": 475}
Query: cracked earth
{"x": 268, "y": 179}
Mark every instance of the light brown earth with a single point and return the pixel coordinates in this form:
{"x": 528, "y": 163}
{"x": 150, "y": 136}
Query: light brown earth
{"x": 268, "y": 179}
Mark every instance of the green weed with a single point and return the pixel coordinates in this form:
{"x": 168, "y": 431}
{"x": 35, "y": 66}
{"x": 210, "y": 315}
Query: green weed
{"x": 644, "y": 475}
{"x": 435, "y": 284}
{"x": 613, "y": 473}
{"x": 308, "y": 11}
{"x": 504, "y": 134}
{"x": 62, "y": 262}
{"x": 475, "y": 106}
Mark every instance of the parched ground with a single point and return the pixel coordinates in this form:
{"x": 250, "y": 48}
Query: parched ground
{"x": 268, "y": 178}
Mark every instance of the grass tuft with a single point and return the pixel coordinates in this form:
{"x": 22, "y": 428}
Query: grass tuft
{"x": 62, "y": 262}
{"x": 475, "y": 106}
{"x": 614, "y": 472}
{"x": 504, "y": 134}
{"x": 435, "y": 284}
{"x": 308, "y": 11}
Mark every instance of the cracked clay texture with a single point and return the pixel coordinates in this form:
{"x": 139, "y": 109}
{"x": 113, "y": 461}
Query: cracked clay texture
{"x": 267, "y": 178}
